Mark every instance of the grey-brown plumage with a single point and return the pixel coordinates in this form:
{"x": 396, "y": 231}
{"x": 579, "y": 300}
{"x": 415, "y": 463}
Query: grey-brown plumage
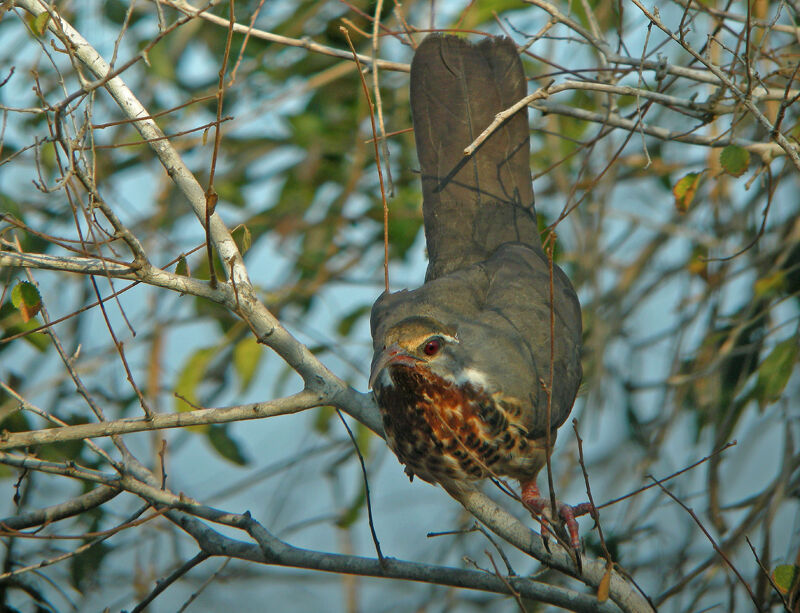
{"x": 471, "y": 205}
{"x": 477, "y": 333}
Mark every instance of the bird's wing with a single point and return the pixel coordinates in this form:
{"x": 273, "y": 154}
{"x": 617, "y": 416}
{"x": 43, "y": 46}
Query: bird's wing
{"x": 517, "y": 307}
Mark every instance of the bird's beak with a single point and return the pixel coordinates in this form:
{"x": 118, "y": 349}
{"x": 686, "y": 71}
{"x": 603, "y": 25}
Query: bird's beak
{"x": 393, "y": 354}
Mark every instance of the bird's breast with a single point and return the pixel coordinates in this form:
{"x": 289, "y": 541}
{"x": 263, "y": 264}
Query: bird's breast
{"x": 443, "y": 429}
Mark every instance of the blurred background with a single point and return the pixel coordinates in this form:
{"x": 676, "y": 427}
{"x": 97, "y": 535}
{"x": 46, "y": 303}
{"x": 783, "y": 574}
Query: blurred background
{"x": 677, "y": 221}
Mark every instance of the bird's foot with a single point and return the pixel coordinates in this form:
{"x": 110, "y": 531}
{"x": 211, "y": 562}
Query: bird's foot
{"x": 540, "y": 507}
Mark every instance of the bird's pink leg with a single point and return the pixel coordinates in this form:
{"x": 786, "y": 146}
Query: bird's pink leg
{"x": 540, "y": 506}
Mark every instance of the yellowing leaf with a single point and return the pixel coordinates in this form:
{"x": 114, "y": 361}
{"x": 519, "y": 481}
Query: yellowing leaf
{"x": 190, "y": 378}
{"x": 604, "y": 586}
{"x": 246, "y": 357}
{"x": 698, "y": 264}
{"x": 734, "y": 160}
{"x": 11, "y": 324}
{"x": 323, "y": 418}
{"x": 39, "y": 23}
{"x": 770, "y": 284}
{"x": 26, "y": 298}
{"x": 685, "y": 189}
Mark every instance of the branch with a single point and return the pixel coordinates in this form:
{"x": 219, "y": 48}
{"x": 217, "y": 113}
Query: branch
{"x": 744, "y": 98}
{"x": 70, "y": 508}
{"x": 730, "y": 16}
{"x": 149, "y": 130}
{"x": 281, "y": 406}
{"x": 105, "y": 268}
{"x": 506, "y": 526}
{"x": 139, "y": 480}
{"x": 764, "y": 150}
{"x": 662, "y": 66}
{"x": 64, "y": 263}
{"x": 239, "y": 296}
{"x": 71, "y": 469}
{"x": 304, "y": 42}
{"x": 716, "y": 547}
{"x": 323, "y": 386}
{"x": 271, "y": 550}
{"x": 538, "y": 101}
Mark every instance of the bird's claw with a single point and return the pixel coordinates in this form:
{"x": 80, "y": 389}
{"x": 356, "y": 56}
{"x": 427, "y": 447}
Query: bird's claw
{"x": 540, "y": 507}
{"x": 568, "y": 513}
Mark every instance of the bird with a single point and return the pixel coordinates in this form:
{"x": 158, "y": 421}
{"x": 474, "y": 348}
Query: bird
{"x": 462, "y": 365}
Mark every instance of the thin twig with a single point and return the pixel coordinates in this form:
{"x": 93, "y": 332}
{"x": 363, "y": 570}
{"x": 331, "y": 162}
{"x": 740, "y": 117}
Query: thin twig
{"x": 768, "y": 575}
{"x": 667, "y": 478}
{"x": 211, "y": 193}
{"x": 163, "y": 584}
{"x": 371, "y": 519}
{"x": 371, "y": 107}
{"x": 710, "y": 539}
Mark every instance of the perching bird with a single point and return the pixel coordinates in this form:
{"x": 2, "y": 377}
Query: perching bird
{"x": 462, "y": 364}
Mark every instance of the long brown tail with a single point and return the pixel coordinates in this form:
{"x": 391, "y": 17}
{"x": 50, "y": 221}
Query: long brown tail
{"x": 471, "y": 205}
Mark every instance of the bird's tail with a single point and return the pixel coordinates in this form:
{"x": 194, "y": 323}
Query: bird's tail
{"x": 471, "y": 205}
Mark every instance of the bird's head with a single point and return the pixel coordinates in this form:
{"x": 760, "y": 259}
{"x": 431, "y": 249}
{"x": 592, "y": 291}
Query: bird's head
{"x": 414, "y": 342}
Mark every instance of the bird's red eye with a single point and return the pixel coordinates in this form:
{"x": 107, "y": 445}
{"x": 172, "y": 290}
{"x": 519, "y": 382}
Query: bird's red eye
{"x": 433, "y": 346}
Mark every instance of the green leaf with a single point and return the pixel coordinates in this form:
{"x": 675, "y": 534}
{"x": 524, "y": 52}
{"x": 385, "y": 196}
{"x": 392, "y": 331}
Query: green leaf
{"x": 352, "y": 513}
{"x": 785, "y": 576}
{"x": 363, "y": 438}
{"x": 684, "y": 191}
{"x": 230, "y": 191}
{"x": 64, "y": 450}
{"x": 190, "y": 378}
{"x": 734, "y": 160}
{"x": 225, "y": 445}
{"x": 162, "y": 62}
{"x": 26, "y": 298}
{"x": 13, "y": 421}
{"x": 775, "y": 370}
{"x": 85, "y": 567}
{"x": 11, "y": 324}
{"x": 246, "y": 358}
{"x": 770, "y": 285}
{"x": 698, "y": 263}
{"x": 25, "y": 294}
{"x": 39, "y": 23}
{"x": 243, "y": 238}
{"x": 323, "y": 418}
{"x": 347, "y": 322}
{"x": 183, "y": 267}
